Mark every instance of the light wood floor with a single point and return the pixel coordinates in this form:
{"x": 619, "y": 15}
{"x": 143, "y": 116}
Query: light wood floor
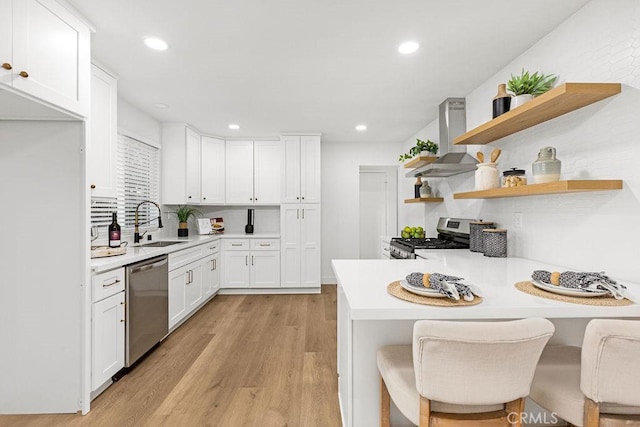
{"x": 259, "y": 360}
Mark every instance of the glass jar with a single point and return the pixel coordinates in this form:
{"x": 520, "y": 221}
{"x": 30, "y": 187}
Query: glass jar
{"x": 514, "y": 178}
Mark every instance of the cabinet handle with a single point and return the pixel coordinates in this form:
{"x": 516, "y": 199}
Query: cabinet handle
{"x": 297, "y": 213}
{"x": 23, "y": 74}
{"x": 246, "y": 260}
{"x": 124, "y": 312}
{"x": 256, "y": 199}
{"x": 264, "y": 244}
{"x": 108, "y": 285}
{"x": 93, "y": 186}
{"x": 298, "y": 198}
{"x": 186, "y": 277}
{"x": 302, "y": 213}
{"x": 7, "y": 66}
{"x": 204, "y": 198}
{"x": 189, "y": 196}
{"x": 302, "y": 197}
{"x": 236, "y": 244}
{"x": 251, "y": 259}
{"x": 215, "y": 264}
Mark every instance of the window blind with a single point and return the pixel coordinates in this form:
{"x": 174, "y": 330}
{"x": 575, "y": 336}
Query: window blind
{"x": 137, "y": 179}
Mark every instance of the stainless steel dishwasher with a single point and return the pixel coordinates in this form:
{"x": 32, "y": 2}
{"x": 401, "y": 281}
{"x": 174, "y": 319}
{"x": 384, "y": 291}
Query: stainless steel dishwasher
{"x": 147, "y": 306}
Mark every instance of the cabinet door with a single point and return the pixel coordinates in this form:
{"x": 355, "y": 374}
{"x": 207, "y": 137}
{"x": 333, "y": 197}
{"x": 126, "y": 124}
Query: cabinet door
{"x": 267, "y": 158}
{"x": 53, "y": 47}
{"x": 194, "y": 293}
{"x": 236, "y": 269}
{"x": 178, "y": 279}
{"x": 310, "y": 169}
{"x": 215, "y": 284}
{"x": 265, "y": 269}
{"x": 102, "y": 136}
{"x": 290, "y": 245}
{"x": 239, "y": 172}
{"x": 6, "y": 56}
{"x": 310, "y": 245}
{"x": 211, "y": 274}
{"x": 193, "y": 166}
{"x": 107, "y": 339}
{"x": 290, "y": 169}
{"x": 212, "y": 168}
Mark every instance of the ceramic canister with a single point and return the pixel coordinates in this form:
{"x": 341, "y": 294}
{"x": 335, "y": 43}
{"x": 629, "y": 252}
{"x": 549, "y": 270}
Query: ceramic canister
{"x": 546, "y": 168}
{"x": 476, "y": 244}
{"x": 487, "y": 176}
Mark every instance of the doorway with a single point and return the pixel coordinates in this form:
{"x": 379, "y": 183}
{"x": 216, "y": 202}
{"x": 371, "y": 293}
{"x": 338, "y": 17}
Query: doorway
{"x": 378, "y": 215}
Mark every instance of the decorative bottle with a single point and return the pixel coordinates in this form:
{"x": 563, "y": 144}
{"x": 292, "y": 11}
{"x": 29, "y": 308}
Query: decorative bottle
{"x": 425, "y": 189}
{"x": 114, "y": 231}
{"x": 416, "y": 188}
{"x": 502, "y": 101}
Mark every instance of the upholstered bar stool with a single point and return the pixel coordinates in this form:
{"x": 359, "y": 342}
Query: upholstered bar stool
{"x": 598, "y": 385}
{"x": 462, "y": 373}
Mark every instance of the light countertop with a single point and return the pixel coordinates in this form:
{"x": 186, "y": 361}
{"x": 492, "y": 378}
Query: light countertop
{"x": 364, "y": 283}
{"x": 139, "y": 252}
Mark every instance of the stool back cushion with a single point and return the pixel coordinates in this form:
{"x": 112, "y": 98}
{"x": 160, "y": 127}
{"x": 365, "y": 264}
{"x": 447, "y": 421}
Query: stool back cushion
{"x": 610, "y": 369}
{"x": 477, "y": 363}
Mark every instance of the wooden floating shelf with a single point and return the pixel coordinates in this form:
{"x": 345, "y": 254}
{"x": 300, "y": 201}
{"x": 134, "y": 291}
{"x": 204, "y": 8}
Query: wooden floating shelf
{"x": 558, "y": 187}
{"x": 554, "y": 103}
{"x": 420, "y": 161}
{"x": 425, "y": 200}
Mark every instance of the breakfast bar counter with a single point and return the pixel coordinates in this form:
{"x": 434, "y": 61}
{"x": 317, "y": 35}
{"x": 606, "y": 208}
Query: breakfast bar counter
{"x": 369, "y": 317}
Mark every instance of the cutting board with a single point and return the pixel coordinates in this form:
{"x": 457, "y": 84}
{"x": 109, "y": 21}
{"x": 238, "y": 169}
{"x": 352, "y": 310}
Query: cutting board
{"x": 104, "y": 251}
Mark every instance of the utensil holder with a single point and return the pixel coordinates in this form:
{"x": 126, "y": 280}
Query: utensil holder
{"x": 475, "y": 235}
{"x": 495, "y": 242}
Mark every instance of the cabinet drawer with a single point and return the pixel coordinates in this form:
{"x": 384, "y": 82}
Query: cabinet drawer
{"x": 212, "y": 248}
{"x": 184, "y": 257}
{"x": 265, "y": 244}
{"x": 235, "y": 244}
{"x": 107, "y": 284}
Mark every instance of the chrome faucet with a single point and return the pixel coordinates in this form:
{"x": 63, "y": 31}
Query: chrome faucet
{"x": 136, "y": 231}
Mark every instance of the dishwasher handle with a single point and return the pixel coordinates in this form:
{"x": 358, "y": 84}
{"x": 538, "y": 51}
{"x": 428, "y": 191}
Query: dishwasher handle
{"x": 146, "y": 267}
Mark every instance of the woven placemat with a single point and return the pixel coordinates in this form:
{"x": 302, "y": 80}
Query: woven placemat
{"x": 609, "y": 301}
{"x": 398, "y": 291}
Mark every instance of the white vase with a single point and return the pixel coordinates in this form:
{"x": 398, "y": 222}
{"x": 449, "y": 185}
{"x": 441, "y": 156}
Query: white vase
{"x": 519, "y": 100}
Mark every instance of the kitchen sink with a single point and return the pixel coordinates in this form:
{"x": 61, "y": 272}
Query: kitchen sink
{"x": 159, "y": 244}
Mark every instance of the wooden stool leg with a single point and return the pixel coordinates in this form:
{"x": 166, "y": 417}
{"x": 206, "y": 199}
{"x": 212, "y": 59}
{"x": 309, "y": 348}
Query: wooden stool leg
{"x": 385, "y": 405}
{"x": 591, "y": 417}
{"x": 425, "y": 412}
{"x": 515, "y": 407}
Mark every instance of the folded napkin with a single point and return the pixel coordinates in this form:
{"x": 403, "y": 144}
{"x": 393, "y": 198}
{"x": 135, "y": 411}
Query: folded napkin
{"x": 586, "y": 281}
{"x": 447, "y": 285}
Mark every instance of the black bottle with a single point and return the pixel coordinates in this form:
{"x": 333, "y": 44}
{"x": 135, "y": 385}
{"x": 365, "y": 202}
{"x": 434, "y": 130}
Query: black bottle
{"x": 416, "y": 188}
{"x": 114, "y": 232}
{"x": 501, "y": 102}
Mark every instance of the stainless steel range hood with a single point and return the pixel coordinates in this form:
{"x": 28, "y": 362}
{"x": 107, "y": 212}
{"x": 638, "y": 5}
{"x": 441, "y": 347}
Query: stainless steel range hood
{"x": 453, "y": 158}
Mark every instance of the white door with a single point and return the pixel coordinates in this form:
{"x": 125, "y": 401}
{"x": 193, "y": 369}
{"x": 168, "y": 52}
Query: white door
{"x": 290, "y": 239}
{"x": 267, "y": 159}
{"x": 212, "y": 170}
{"x": 193, "y": 166}
{"x": 310, "y": 245}
{"x": 239, "y": 172}
{"x": 290, "y": 169}
{"x": 236, "y": 269}
{"x": 265, "y": 269}
{"x": 310, "y": 169}
{"x": 194, "y": 292}
{"x": 378, "y": 208}
{"x": 52, "y": 47}
{"x": 215, "y": 284}
{"x": 178, "y": 279}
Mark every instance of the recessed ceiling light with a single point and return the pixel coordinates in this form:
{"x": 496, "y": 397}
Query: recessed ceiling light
{"x": 234, "y": 126}
{"x": 408, "y": 47}
{"x": 156, "y": 43}
{"x": 361, "y": 128}
{"x": 160, "y": 105}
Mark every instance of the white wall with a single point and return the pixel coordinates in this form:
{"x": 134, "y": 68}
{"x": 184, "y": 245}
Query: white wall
{"x": 137, "y": 124}
{"x": 341, "y": 163}
{"x": 592, "y": 231}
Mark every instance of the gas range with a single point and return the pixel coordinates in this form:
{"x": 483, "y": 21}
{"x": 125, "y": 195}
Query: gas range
{"x": 453, "y": 233}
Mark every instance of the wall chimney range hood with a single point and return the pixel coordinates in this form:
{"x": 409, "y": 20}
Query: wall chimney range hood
{"x": 453, "y": 159}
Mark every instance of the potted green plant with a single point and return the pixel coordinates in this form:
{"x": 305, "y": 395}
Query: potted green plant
{"x": 421, "y": 146}
{"x": 183, "y": 213}
{"x": 525, "y": 86}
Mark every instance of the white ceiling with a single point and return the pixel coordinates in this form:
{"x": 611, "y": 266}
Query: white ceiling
{"x": 277, "y": 66}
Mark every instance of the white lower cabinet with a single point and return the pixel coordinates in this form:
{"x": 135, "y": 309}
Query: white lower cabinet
{"x": 107, "y": 323}
{"x": 251, "y": 263}
{"x": 193, "y": 278}
{"x": 300, "y": 228}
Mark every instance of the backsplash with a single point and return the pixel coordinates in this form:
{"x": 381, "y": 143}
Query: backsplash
{"x": 593, "y": 230}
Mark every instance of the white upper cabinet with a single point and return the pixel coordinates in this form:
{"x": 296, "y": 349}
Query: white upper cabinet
{"x": 301, "y": 171}
{"x": 180, "y": 164}
{"x": 102, "y": 136}
{"x": 253, "y": 172}
{"x": 45, "y": 53}
{"x": 212, "y": 170}
{"x": 239, "y": 172}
